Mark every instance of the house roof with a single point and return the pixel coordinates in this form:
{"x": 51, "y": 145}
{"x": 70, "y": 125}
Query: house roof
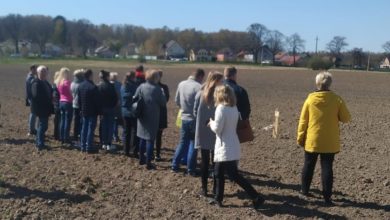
{"x": 170, "y": 43}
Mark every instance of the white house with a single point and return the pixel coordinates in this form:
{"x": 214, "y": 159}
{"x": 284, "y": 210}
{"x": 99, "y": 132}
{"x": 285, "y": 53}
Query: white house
{"x": 385, "y": 64}
{"x": 173, "y": 50}
{"x": 201, "y": 55}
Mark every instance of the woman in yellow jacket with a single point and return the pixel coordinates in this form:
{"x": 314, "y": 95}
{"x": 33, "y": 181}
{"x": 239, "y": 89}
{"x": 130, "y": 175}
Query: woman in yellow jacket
{"x": 319, "y": 133}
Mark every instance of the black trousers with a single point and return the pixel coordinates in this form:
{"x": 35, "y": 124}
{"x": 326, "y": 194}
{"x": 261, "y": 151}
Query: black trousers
{"x": 131, "y": 141}
{"x": 230, "y": 168}
{"x": 56, "y": 122}
{"x": 206, "y": 155}
{"x": 326, "y": 172}
{"x": 158, "y": 142}
{"x": 77, "y": 123}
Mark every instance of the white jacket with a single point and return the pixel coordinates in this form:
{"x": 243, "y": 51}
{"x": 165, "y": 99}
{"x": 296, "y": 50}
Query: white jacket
{"x": 227, "y": 145}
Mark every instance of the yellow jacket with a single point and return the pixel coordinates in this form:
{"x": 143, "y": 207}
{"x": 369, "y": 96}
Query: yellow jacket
{"x": 318, "y": 128}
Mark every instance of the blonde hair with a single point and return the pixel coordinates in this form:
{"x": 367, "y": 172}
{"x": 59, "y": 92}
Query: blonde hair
{"x": 56, "y": 75}
{"x": 209, "y": 87}
{"x": 323, "y": 80}
{"x": 152, "y": 76}
{"x": 224, "y": 95}
{"x": 64, "y": 75}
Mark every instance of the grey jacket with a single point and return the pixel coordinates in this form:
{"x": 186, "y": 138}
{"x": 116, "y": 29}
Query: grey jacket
{"x": 154, "y": 99}
{"x": 204, "y": 136}
{"x": 74, "y": 88}
{"x": 185, "y": 97}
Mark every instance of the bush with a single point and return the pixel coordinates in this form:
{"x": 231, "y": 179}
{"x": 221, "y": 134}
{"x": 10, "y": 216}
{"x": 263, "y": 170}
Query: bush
{"x": 318, "y": 63}
{"x": 141, "y": 59}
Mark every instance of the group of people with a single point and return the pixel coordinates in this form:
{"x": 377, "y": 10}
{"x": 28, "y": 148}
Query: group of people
{"x": 209, "y": 112}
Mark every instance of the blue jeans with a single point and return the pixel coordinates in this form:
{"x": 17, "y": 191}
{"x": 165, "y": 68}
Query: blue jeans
{"x": 42, "y": 128}
{"x": 186, "y": 144}
{"x": 87, "y": 132}
{"x": 107, "y": 122}
{"x": 32, "y": 123}
{"x": 66, "y": 111}
{"x": 148, "y": 146}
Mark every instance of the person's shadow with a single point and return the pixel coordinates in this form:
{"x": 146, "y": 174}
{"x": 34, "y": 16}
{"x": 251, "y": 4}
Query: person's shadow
{"x": 296, "y": 205}
{"x": 20, "y": 192}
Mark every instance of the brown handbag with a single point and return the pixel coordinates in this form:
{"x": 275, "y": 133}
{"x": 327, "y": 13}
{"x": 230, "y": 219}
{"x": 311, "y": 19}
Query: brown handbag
{"x": 244, "y": 131}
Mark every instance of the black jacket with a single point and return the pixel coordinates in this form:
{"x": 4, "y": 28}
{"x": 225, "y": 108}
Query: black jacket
{"x": 88, "y": 94}
{"x": 163, "y": 110}
{"x": 108, "y": 95}
{"x": 41, "y": 98}
{"x": 55, "y": 98}
{"x": 243, "y": 104}
{"x": 127, "y": 92}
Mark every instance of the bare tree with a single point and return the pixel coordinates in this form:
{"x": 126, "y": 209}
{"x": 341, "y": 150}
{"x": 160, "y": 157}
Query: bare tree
{"x": 257, "y": 33}
{"x": 386, "y": 46}
{"x": 12, "y": 27}
{"x": 296, "y": 44}
{"x": 275, "y": 42}
{"x": 336, "y": 45}
{"x": 38, "y": 28}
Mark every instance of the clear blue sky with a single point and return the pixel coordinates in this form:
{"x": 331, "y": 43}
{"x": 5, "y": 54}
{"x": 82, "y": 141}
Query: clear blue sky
{"x": 365, "y": 23}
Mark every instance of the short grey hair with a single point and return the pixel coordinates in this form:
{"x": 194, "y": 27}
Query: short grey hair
{"x": 323, "y": 80}
{"x": 41, "y": 69}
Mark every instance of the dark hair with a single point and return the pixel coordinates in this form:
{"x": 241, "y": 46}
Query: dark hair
{"x": 198, "y": 73}
{"x": 128, "y": 77}
{"x": 33, "y": 67}
{"x": 88, "y": 73}
{"x": 230, "y": 71}
{"x": 104, "y": 74}
{"x": 139, "y": 68}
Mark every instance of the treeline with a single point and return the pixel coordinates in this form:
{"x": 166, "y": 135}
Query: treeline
{"x": 77, "y": 37}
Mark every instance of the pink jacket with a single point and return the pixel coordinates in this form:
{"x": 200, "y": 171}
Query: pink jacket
{"x": 65, "y": 92}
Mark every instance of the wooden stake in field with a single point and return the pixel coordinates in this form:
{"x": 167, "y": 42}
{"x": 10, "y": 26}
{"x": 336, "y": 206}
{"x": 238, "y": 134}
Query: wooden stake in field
{"x": 275, "y": 131}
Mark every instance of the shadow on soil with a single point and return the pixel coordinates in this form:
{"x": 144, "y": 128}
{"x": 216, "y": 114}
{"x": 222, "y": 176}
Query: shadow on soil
{"x": 19, "y": 192}
{"x": 295, "y": 205}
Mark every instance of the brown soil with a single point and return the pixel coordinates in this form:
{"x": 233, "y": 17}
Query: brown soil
{"x": 66, "y": 184}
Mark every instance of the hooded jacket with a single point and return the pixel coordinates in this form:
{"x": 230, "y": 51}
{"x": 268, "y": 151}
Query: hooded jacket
{"x": 318, "y": 129}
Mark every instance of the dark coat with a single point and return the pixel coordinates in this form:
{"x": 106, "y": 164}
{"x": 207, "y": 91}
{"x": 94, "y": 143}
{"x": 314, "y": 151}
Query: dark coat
{"x": 163, "y": 110}
{"x": 139, "y": 81}
{"x": 41, "y": 98}
{"x": 55, "y": 98}
{"x": 148, "y": 123}
{"x": 127, "y": 92}
{"x": 30, "y": 78}
{"x": 243, "y": 104}
{"x": 88, "y": 94}
{"x": 108, "y": 96}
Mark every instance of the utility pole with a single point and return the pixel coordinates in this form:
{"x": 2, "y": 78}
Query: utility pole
{"x": 316, "y": 44}
{"x": 368, "y": 61}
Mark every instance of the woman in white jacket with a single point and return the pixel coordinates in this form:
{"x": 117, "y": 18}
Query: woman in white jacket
{"x": 227, "y": 145}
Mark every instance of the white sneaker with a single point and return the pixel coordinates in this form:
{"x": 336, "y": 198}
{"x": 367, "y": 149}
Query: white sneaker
{"x": 108, "y": 147}
{"x": 104, "y": 147}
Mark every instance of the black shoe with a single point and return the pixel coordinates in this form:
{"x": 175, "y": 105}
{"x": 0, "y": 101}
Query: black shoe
{"x": 258, "y": 202}
{"x": 213, "y": 201}
{"x": 158, "y": 159}
{"x": 92, "y": 151}
{"x": 150, "y": 166}
{"x": 329, "y": 203}
{"x": 304, "y": 195}
{"x": 192, "y": 173}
